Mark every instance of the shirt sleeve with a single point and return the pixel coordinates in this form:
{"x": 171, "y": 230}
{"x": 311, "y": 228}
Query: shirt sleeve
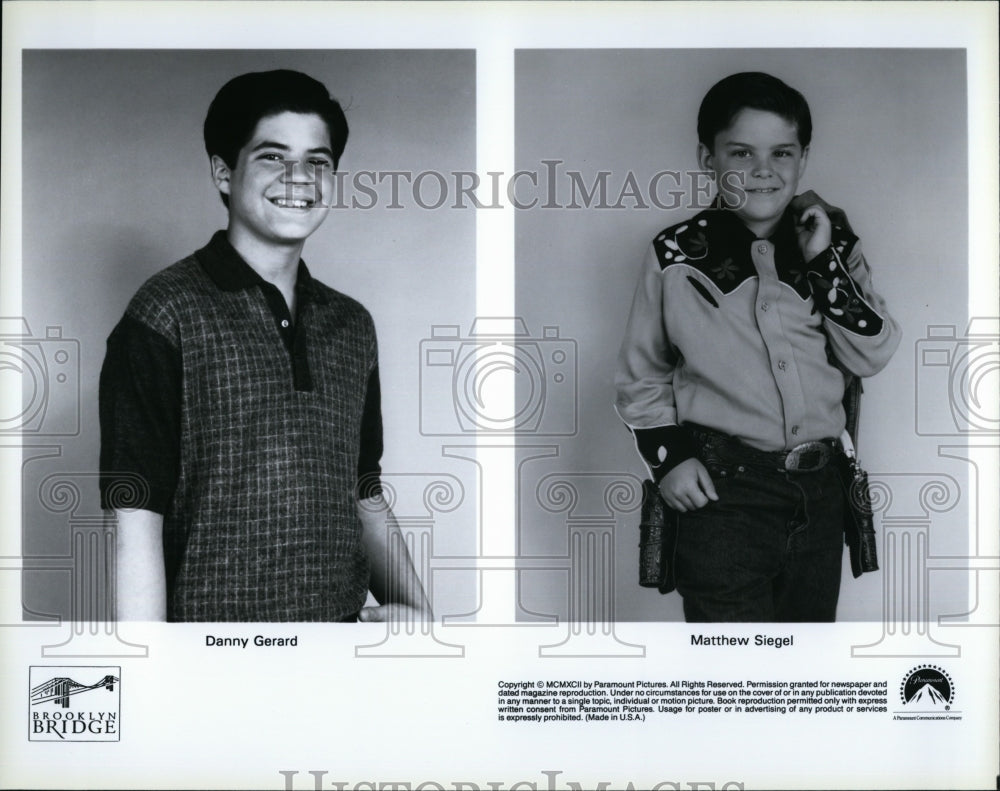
{"x": 645, "y": 375}
{"x": 370, "y": 453}
{"x": 862, "y": 334}
{"x": 140, "y": 397}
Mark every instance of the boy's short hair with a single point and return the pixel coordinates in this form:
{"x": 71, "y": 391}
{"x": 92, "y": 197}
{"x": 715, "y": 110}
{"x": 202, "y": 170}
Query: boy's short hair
{"x": 755, "y": 90}
{"x": 243, "y": 101}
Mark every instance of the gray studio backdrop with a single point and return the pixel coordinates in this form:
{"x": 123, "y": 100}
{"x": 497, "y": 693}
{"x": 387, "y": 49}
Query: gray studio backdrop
{"x": 889, "y": 147}
{"x": 116, "y": 186}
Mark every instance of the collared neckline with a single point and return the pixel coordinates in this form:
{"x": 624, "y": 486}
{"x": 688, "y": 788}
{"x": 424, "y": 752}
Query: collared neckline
{"x": 733, "y": 235}
{"x": 734, "y": 227}
{"x": 230, "y": 272}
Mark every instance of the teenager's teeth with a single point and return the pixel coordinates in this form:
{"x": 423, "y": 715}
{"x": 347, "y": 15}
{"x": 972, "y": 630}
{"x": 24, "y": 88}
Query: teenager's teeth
{"x": 291, "y": 204}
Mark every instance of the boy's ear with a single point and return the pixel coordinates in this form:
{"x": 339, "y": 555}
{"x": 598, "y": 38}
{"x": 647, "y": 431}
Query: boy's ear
{"x": 802, "y": 162}
{"x": 220, "y": 174}
{"x": 705, "y": 158}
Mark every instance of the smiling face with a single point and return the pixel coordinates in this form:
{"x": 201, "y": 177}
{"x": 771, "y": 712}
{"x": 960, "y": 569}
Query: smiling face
{"x": 760, "y": 159}
{"x": 278, "y": 186}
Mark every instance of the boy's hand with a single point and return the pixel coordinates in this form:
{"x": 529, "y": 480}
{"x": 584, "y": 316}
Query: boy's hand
{"x": 814, "y": 232}
{"x": 688, "y": 486}
{"x": 809, "y": 198}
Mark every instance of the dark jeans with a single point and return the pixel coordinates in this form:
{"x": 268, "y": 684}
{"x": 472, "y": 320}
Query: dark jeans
{"x": 770, "y": 549}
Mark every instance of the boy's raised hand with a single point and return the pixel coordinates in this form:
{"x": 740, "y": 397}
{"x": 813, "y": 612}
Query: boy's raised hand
{"x": 688, "y": 486}
{"x": 814, "y": 231}
{"x": 809, "y": 198}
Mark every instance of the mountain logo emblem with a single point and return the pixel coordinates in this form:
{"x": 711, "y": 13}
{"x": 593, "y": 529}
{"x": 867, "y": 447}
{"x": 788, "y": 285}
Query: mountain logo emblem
{"x": 927, "y": 687}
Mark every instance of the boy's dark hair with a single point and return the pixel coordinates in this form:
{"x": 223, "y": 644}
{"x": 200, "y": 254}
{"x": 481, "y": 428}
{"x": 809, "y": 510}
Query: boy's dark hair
{"x": 243, "y": 101}
{"x": 756, "y": 90}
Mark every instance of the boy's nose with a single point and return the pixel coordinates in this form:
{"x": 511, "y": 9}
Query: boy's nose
{"x": 298, "y": 172}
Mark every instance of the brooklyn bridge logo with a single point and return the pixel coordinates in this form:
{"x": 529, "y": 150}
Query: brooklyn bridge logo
{"x": 58, "y": 690}
{"x": 74, "y": 703}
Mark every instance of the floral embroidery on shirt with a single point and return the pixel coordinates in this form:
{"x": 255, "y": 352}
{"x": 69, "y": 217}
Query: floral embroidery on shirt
{"x": 726, "y": 270}
{"x": 836, "y": 295}
{"x": 798, "y": 279}
{"x": 703, "y": 243}
{"x": 693, "y": 245}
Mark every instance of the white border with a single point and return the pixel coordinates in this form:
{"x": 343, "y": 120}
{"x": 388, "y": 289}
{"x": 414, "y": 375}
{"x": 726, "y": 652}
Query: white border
{"x": 426, "y": 720}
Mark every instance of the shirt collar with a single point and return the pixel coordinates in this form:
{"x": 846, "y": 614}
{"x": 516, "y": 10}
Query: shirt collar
{"x": 230, "y": 272}
{"x": 732, "y": 235}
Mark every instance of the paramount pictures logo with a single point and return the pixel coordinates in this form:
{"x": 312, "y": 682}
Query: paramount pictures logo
{"x": 74, "y": 704}
{"x": 927, "y": 693}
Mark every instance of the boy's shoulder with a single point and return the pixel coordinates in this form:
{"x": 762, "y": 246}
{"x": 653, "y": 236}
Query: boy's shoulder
{"x": 185, "y": 285}
{"x": 158, "y": 299}
{"x": 716, "y": 238}
{"x": 703, "y": 242}
{"x": 340, "y": 304}
{"x": 684, "y": 241}
{"x": 176, "y": 278}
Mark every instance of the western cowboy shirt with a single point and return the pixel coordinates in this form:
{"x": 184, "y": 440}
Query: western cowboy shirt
{"x": 741, "y": 335}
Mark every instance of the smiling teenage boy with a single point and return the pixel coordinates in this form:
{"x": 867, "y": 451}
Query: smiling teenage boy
{"x": 732, "y": 370}
{"x": 244, "y": 394}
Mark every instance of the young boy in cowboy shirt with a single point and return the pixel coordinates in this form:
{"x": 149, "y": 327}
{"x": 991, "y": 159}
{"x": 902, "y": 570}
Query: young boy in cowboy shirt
{"x": 732, "y": 371}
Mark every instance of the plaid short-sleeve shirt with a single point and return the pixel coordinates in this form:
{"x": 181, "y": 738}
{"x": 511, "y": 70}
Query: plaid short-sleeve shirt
{"x": 251, "y": 437}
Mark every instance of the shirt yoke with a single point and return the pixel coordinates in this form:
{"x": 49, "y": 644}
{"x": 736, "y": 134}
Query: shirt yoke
{"x": 698, "y": 243}
{"x": 164, "y": 299}
{"x": 160, "y": 301}
{"x": 716, "y": 244}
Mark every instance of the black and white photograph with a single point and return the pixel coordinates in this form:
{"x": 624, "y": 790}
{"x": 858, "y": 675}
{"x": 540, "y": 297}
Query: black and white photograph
{"x": 629, "y": 166}
{"x": 490, "y": 395}
{"x": 186, "y": 422}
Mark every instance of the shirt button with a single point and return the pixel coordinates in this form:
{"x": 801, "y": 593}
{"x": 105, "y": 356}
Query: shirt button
{"x": 284, "y": 323}
{"x": 795, "y": 430}
{"x": 762, "y": 248}
{"x": 764, "y": 306}
{"x": 782, "y": 365}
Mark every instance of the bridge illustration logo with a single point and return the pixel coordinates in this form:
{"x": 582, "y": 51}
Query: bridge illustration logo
{"x": 80, "y": 704}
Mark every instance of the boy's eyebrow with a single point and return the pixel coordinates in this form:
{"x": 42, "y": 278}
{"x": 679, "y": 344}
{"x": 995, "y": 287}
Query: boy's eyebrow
{"x": 749, "y": 145}
{"x": 282, "y": 147}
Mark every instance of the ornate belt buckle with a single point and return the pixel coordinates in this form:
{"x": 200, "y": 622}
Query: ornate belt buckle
{"x": 808, "y": 457}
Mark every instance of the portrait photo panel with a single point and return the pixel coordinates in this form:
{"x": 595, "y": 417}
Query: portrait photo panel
{"x": 117, "y": 185}
{"x": 611, "y": 138}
